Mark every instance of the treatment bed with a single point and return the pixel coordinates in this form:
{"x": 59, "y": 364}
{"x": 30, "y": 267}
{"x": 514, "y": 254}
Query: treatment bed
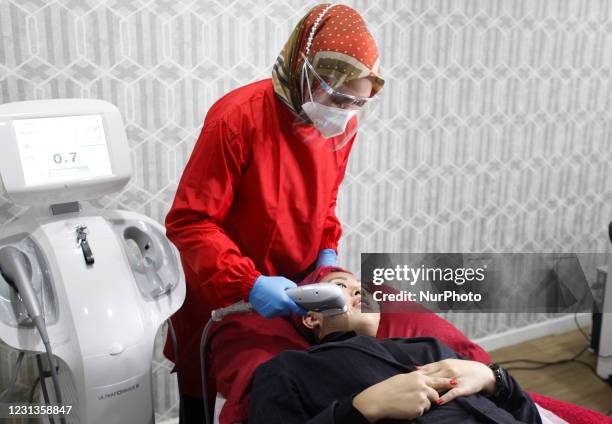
{"x": 233, "y": 358}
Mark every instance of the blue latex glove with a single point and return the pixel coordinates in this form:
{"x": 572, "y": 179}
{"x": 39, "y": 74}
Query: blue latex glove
{"x": 327, "y": 257}
{"x": 269, "y": 299}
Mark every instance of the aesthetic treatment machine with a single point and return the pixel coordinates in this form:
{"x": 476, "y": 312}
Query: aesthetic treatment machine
{"x": 85, "y": 289}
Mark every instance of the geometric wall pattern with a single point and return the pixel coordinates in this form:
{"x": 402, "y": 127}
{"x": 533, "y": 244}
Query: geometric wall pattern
{"x": 493, "y": 131}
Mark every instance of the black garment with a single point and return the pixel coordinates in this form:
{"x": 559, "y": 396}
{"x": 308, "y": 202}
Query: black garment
{"x": 191, "y": 410}
{"x": 317, "y": 386}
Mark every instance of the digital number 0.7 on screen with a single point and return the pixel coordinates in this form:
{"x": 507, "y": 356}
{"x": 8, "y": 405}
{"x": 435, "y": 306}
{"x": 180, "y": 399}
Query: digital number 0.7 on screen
{"x": 57, "y": 158}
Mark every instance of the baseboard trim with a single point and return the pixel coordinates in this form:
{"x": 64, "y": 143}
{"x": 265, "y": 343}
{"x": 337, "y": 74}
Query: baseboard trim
{"x": 533, "y": 331}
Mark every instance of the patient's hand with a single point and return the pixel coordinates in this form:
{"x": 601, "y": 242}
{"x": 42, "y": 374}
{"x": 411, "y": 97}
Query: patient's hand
{"x": 469, "y": 377}
{"x": 403, "y": 396}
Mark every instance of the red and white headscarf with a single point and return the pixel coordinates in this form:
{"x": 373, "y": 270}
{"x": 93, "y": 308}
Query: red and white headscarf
{"x": 336, "y": 41}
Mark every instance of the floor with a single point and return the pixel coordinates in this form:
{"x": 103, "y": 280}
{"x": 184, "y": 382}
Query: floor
{"x": 571, "y": 382}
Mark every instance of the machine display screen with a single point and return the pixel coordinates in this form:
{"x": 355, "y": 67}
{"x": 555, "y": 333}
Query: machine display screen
{"x": 60, "y": 149}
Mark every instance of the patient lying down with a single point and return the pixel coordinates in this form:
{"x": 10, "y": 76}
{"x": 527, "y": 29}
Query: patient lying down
{"x": 351, "y": 377}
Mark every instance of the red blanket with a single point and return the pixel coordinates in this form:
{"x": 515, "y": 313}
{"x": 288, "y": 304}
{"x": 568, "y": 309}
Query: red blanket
{"x": 573, "y": 414}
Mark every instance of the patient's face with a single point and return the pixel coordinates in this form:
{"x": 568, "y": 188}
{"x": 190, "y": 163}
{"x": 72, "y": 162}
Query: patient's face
{"x": 362, "y": 323}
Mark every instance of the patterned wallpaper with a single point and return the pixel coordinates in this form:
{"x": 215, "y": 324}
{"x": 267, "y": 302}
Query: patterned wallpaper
{"x": 493, "y": 132}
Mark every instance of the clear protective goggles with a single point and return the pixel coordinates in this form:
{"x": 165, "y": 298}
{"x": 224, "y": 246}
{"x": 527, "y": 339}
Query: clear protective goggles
{"x": 338, "y": 98}
{"x": 334, "y": 112}
{"x": 325, "y": 92}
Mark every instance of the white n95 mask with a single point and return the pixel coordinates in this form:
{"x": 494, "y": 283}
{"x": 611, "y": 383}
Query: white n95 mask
{"x": 330, "y": 121}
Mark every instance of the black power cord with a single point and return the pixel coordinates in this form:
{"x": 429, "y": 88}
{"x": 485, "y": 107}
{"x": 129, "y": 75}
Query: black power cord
{"x": 46, "y": 374}
{"x": 586, "y": 336}
{"x": 544, "y": 364}
{"x": 43, "y": 385}
{"x": 33, "y": 389}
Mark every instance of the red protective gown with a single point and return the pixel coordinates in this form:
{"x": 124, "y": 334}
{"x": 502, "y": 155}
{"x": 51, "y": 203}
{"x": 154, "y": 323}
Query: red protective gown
{"x": 253, "y": 199}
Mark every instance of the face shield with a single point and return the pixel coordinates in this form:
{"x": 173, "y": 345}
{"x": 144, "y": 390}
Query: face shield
{"x": 333, "y": 109}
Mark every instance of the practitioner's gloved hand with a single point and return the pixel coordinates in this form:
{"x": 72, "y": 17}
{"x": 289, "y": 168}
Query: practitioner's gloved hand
{"x": 269, "y": 299}
{"x": 327, "y": 257}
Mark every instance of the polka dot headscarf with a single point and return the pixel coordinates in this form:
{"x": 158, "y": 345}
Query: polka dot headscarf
{"x": 336, "y": 42}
